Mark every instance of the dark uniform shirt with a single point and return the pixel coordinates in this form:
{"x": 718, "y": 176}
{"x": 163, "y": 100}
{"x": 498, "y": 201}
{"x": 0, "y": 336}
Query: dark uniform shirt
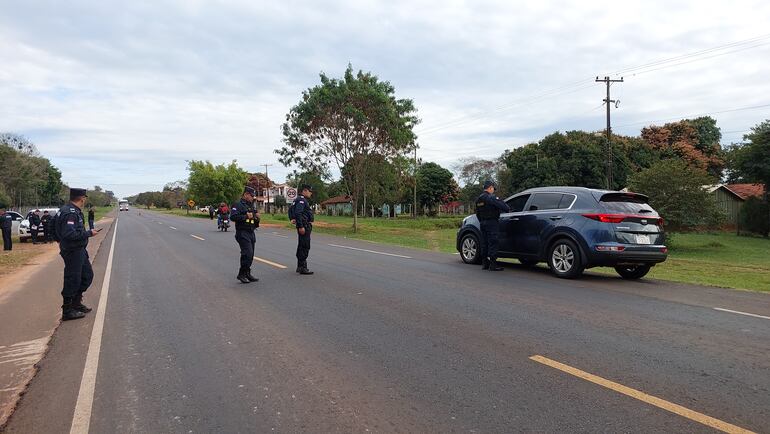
{"x": 71, "y": 228}
{"x": 303, "y": 213}
{"x": 34, "y": 220}
{"x": 6, "y": 221}
{"x": 489, "y": 207}
{"x": 238, "y": 215}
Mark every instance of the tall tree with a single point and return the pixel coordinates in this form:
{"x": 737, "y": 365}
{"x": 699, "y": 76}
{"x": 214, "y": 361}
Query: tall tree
{"x": 435, "y": 185}
{"x": 696, "y": 141}
{"x": 210, "y": 184}
{"x": 344, "y": 122}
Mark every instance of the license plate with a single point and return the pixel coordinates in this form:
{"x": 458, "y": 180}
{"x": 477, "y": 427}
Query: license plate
{"x": 643, "y": 239}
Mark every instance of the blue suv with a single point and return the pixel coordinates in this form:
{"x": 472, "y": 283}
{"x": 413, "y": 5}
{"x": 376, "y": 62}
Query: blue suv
{"x": 574, "y": 228}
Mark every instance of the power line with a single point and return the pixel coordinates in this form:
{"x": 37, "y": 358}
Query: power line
{"x": 695, "y": 115}
{"x": 572, "y": 87}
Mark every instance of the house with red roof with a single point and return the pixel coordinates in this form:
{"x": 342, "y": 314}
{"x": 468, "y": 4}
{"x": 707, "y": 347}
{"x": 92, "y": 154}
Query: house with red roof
{"x": 730, "y": 198}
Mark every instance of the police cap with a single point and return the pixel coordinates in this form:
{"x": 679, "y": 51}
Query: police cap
{"x": 250, "y": 190}
{"x": 489, "y": 183}
{"x": 77, "y": 192}
{"x": 307, "y": 187}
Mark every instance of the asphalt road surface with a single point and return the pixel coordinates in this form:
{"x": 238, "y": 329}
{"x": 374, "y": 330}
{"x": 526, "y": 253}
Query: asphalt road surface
{"x": 385, "y": 339}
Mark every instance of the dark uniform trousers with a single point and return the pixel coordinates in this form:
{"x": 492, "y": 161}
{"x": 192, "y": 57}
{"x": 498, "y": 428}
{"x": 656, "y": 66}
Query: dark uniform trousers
{"x": 78, "y": 273}
{"x": 490, "y": 232}
{"x": 7, "y": 240}
{"x": 303, "y": 247}
{"x": 246, "y": 240}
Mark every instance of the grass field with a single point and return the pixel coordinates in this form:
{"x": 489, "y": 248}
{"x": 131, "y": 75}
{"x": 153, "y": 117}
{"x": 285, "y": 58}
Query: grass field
{"x": 715, "y": 259}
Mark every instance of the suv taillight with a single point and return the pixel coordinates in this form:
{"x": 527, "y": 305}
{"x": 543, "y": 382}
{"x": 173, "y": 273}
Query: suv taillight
{"x": 606, "y": 218}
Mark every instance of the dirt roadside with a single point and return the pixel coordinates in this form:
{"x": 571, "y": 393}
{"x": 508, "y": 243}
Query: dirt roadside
{"x": 30, "y": 310}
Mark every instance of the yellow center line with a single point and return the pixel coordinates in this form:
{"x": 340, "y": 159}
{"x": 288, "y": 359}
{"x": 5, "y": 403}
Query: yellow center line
{"x": 649, "y": 399}
{"x": 197, "y": 237}
{"x": 276, "y": 265}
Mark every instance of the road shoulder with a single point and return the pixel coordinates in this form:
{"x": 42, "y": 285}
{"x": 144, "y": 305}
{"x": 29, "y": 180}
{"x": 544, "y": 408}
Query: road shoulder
{"x": 30, "y": 315}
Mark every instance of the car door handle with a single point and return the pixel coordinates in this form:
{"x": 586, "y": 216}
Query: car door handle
{"x": 515, "y": 219}
{"x": 555, "y": 217}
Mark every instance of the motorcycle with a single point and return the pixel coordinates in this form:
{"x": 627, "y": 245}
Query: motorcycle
{"x": 225, "y": 225}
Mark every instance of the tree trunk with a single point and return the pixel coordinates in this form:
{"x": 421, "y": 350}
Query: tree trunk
{"x": 355, "y": 215}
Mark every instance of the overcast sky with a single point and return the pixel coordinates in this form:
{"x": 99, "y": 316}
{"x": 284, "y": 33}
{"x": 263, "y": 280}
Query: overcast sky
{"x": 121, "y": 94}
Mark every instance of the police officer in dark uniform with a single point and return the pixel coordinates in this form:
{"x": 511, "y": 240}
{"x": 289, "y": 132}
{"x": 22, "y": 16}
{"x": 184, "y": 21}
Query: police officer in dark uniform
{"x": 303, "y": 216}
{"x": 34, "y": 225}
{"x": 73, "y": 236}
{"x": 6, "y": 224}
{"x": 246, "y": 219}
{"x": 91, "y": 215}
{"x": 44, "y": 226}
{"x": 488, "y": 209}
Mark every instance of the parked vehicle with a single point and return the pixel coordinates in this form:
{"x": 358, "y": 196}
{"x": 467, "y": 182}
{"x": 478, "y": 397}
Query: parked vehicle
{"x": 16, "y": 221}
{"x": 574, "y": 228}
{"x": 25, "y": 231}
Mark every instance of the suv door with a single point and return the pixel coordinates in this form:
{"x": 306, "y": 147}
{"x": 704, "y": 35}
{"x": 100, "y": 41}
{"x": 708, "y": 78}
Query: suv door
{"x": 510, "y": 229}
{"x": 540, "y": 218}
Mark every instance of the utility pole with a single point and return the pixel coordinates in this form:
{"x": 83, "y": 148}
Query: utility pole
{"x": 414, "y": 191}
{"x": 607, "y": 102}
{"x": 267, "y": 182}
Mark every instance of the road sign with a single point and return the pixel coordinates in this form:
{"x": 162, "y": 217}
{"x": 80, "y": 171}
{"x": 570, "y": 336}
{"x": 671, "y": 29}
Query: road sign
{"x": 291, "y": 193}
{"x": 191, "y": 203}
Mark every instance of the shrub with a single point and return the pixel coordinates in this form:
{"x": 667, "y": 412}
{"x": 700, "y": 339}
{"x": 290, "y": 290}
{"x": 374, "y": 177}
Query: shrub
{"x": 754, "y": 217}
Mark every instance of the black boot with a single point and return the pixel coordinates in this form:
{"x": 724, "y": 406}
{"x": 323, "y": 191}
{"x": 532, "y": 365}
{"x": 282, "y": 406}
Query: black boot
{"x": 250, "y": 276}
{"x": 77, "y": 304}
{"x": 68, "y": 312}
{"x": 485, "y": 264}
{"x": 242, "y": 275}
{"x": 493, "y": 266}
{"x": 303, "y": 269}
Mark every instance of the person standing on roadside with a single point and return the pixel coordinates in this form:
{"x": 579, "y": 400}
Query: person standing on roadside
{"x": 73, "y": 236}
{"x": 303, "y": 216}
{"x": 34, "y": 225}
{"x": 6, "y": 224}
{"x": 91, "y": 216}
{"x": 211, "y": 212}
{"x": 488, "y": 209}
{"x": 44, "y": 226}
{"x": 246, "y": 220}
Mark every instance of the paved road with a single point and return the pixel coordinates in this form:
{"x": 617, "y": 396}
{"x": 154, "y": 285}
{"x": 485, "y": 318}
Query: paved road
{"x": 412, "y": 341}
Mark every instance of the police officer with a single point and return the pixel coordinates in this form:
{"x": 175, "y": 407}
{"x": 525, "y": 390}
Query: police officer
{"x": 91, "y": 216}
{"x": 488, "y": 209}
{"x": 303, "y": 215}
{"x": 78, "y": 274}
{"x": 34, "y": 225}
{"x": 246, "y": 219}
{"x": 6, "y": 223}
{"x": 44, "y": 225}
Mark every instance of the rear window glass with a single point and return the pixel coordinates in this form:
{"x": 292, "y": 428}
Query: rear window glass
{"x": 566, "y": 201}
{"x": 544, "y": 201}
{"x": 627, "y": 205}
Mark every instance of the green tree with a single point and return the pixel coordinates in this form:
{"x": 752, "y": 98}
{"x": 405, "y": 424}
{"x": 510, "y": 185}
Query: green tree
{"x": 750, "y": 162}
{"x": 676, "y": 190}
{"x": 280, "y": 202}
{"x": 345, "y": 122}
{"x": 317, "y": 180}
{"x": 209, "y": 184}
{"x": 435, "y": 185}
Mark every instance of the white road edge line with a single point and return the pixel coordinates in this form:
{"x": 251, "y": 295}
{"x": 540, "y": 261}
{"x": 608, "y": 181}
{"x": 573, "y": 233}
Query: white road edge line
{"x": 274, "y": 264}
{"x": 197, "y": 237}
{"x": 742, "y": 313}
{"x": 171, "y": 227}
{"x": 81, "y": 420}
{"x": 370, "y": 251}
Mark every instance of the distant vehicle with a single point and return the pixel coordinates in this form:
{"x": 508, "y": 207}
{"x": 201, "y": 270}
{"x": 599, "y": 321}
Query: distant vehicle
{"x": 25, "y": 231}
{"x": 123, "y": 205}
{"x": 574, "y": 228}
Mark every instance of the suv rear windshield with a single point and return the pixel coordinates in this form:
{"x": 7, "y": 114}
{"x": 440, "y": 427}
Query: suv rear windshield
{"x": 626, "y": 204}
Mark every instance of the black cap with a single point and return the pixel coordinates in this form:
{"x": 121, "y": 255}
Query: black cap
{"x": 489, "y": 183}
{"x": 307, "y": 187}
{"x": 77, "y": 192}
{"x": 250, "y": 190}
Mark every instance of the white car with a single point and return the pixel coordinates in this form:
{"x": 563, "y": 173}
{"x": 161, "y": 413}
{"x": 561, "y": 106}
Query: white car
{"x": 17, "y": 219}
{"x": 25, "y": 232}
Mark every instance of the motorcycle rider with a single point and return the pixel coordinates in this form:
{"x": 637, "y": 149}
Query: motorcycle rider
{"x": 223, "y": 212}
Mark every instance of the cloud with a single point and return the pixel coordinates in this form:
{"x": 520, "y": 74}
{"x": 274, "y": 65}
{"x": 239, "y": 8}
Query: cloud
{"x": 124, "y": 93}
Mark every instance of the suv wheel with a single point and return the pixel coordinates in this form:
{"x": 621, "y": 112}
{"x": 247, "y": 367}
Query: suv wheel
{"x": 632, "y": 272}
{"x": 564, "y": 259}
{"x": 470, "y": 249}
